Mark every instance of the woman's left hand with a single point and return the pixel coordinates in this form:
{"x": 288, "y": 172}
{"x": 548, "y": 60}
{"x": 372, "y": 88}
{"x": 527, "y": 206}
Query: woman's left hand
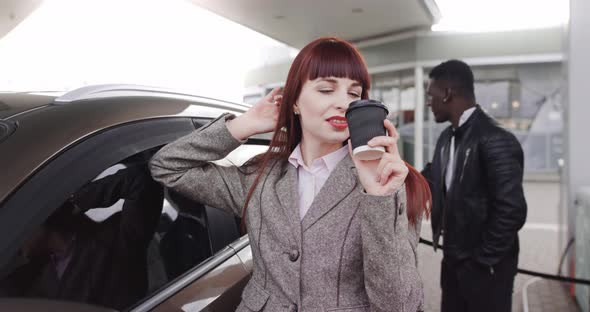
{"x": 386, "y": 175}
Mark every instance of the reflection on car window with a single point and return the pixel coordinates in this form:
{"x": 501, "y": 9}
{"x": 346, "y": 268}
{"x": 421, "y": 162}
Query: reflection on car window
{"x": 118, "y": 239}
{"x": 103, "y": 213}
{"x": 184, "y": 240}
{"x": 72, "y": 257}
{"x": 185, "y": 237}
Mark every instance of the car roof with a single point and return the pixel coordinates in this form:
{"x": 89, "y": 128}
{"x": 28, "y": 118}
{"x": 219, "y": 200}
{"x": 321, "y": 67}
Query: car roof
{"x": 16, "y": 103}
{"x": 48, "y": 125}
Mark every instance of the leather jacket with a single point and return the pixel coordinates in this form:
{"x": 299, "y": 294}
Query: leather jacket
{"x": 485, "y": 207}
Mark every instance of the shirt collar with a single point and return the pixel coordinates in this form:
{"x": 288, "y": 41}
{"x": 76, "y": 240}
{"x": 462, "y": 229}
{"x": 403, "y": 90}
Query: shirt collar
{"x": 465, "y": 116}
{"x": 330, "y": 161}
{"x": 296, "y": 159}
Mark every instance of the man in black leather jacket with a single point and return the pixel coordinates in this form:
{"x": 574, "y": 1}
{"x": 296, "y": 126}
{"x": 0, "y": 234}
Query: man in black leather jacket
{"x": 478, "y": 202}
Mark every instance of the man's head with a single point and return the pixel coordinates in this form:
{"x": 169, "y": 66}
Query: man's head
{"x": 51, "y": 236}
{"x": 450, "y": 89}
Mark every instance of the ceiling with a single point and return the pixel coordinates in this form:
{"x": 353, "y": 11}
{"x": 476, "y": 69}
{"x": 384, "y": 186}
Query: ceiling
{"x": 294, "y": 22}
{"x": 12, "y": 12}
{"x": 297, "y": 22}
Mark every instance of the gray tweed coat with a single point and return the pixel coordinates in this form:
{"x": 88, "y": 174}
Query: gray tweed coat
{"x": 351, "y": 252}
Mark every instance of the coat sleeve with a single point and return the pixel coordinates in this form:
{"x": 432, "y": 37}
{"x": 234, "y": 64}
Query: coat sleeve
{"x": 390, "y": 267}
{"x": 185, "y": 167}
{"x": 427, "y": 174}
{"x": 427, "y": 171}
{"x": 502, "y": 158}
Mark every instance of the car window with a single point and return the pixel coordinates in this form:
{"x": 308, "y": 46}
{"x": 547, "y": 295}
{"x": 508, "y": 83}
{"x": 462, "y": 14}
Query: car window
{"x": 53, "y": 249}
{"x": 190, "y": 232}
{"x": 102, "y": 260}
{"x": 103, "y": 213}
{"x": 119, "y": 239}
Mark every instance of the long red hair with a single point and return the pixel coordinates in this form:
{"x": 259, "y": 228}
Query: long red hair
{"x": 328, "y": 57}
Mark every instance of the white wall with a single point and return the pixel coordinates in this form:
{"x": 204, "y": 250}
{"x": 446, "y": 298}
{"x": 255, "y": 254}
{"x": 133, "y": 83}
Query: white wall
{"x": 577, "y": 126}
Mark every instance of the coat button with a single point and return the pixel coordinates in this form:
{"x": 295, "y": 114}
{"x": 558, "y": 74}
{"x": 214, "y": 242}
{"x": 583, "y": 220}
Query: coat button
{"x": 293, "y": 255}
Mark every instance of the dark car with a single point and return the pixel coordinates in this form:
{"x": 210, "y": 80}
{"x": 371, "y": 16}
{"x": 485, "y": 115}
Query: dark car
{"x": 52, "y": 145}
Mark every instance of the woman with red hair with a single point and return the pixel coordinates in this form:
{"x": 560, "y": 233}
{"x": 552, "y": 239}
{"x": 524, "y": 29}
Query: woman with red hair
{"x": 328, "y": 232}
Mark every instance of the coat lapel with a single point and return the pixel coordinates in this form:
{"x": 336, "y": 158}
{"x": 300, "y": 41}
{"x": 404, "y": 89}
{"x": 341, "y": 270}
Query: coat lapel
{"x": 341, "y": 182}
{"x": 461, "y": 155}
{"x": 288, "y": 195}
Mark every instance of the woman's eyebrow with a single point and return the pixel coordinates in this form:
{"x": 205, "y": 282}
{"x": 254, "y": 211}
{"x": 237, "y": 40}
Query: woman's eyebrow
{"x": 330, "y": 80}
{"x": 334, "y": 81}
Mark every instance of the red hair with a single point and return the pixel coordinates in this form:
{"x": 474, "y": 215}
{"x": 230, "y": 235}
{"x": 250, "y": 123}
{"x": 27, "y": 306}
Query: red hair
{"x": 327, "y": 57}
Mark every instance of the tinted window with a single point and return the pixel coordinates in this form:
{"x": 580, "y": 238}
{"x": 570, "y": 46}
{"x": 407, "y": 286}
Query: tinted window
{"x": 190, "y": 232}
{"x": 118, "y": 239}
{"x": 73, "y": 257}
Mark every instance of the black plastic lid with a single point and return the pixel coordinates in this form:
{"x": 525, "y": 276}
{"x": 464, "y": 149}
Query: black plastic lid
{"x": 364, "y": 103}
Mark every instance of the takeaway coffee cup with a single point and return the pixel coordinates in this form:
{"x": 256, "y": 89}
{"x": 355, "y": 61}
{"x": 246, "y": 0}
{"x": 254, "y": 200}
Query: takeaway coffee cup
{"x": 365, "y": 121}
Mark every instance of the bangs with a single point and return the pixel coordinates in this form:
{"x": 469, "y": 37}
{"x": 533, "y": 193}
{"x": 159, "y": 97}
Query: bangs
{"x": 337, "y": 59}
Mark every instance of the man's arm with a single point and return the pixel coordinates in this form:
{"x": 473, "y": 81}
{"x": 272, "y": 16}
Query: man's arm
{"x": 427, "y": 171}
{"x": 502, "y": 159}
{"x": 143, "y": 200}
{"x": 427, "y": 174}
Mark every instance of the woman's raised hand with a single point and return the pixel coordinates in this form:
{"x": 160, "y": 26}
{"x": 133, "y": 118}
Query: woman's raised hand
{"x": 386, "y": 175}
{"x": 260, "y": 118}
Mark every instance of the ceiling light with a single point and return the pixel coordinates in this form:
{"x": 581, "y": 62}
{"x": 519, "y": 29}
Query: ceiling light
{"x": 515, "y": 104}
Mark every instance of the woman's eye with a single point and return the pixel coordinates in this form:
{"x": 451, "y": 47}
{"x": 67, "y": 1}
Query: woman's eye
{"x": 354, "y": 94}
{"x": 325, "y": 90}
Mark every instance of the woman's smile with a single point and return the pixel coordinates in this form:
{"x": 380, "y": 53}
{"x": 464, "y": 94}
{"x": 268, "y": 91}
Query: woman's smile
{"x": 338, "y": 122}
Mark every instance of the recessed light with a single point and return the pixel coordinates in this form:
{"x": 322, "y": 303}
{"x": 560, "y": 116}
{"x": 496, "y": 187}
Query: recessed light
{"x": 515, "y": 104}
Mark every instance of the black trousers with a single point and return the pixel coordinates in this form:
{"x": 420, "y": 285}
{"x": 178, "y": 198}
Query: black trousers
{"x": 468, "y": 286}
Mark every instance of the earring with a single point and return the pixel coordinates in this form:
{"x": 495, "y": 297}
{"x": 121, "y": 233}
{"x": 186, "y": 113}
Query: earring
{"x": 296, "y": 112}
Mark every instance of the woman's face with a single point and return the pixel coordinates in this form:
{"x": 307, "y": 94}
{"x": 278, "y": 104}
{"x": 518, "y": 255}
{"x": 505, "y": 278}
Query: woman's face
{"x": 322, "y": 105}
